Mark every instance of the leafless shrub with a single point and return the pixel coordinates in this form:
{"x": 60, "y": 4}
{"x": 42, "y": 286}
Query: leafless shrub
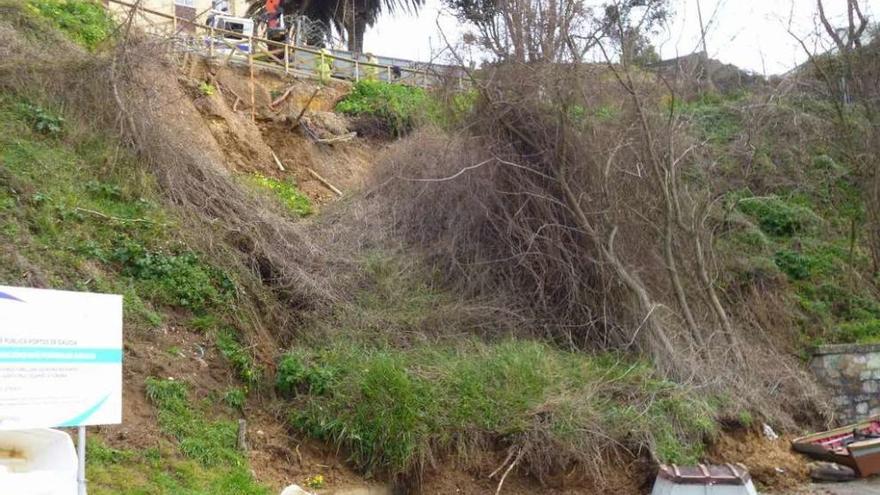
{"x": 577, "y": 193}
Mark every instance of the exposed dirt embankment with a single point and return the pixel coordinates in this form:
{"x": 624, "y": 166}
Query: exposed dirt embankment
{"x": 291, "y": 120}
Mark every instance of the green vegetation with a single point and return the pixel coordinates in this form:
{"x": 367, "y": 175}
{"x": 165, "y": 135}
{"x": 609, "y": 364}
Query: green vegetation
{"x": 799, "y": 222}
{"x": 776, "y": 216}
{"x": 798, "y": 225}
{"x": 819, "y": 263}
{"x": 357, "y": 382}
{"x": 239, "y": 356}
{"x": 713, "y": 116}
{"x": 235, "y": 398}
{"x": 315, "y": 482}
{"x": 82, "y": 216}
{"x": 76, "y": 205}
{"x": 287, "y": 192}
{"x": 208, "y": 442}
{"x": 398, "y": 107}
{"x": 64, "y": 219}
{"x": 42, "y": 121}
{"x": 391, "y": 407}
{"x": 84, "y": 21}
{"x": 210, "y": 465}
{"x": 175, "y": 279}
{"x": 601, "y": 114}
{"x": 207, "y": 89}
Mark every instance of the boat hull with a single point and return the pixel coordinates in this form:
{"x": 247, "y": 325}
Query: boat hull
{"x": 842, "y": 445}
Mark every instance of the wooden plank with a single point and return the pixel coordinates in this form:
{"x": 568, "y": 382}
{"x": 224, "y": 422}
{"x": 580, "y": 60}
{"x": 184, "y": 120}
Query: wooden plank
{"x": 324, "y": 181}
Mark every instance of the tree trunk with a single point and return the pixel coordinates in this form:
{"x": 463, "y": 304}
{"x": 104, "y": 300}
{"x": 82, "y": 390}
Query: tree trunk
{"x": 354, "y": 33}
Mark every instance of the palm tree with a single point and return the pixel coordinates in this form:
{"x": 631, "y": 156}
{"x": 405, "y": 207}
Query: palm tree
{"x": 349, "y": 16}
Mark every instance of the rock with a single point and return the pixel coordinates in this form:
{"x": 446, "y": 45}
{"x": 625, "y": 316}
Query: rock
{"x": 294, "y": 490}
{"x": 830, "y": 471}
{"x": 326, "y": 125}
{"x": 769, "y": 433}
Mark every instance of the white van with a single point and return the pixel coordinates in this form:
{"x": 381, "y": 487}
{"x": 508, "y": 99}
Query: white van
{"x": 239, "y": 30}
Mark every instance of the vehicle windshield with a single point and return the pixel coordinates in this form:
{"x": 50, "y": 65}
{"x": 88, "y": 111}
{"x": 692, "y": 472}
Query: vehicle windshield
{"x": 236, "y": 27}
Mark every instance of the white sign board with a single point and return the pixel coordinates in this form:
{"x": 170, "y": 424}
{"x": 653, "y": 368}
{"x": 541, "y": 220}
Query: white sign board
{"x": 60, "y": 358}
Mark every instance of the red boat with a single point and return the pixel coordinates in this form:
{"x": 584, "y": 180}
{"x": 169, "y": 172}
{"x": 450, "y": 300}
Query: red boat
{"x": 856, "y": 446}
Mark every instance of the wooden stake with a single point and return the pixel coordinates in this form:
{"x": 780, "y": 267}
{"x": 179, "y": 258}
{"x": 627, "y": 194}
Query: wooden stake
{"x": 306, "y": 106}
{"x": 251, "y": 64}
{"x": 241, "y": 444}
{"x": 324, "y": 181}
{"x": 281, "y": 98}
{"x": 277, "y": 161}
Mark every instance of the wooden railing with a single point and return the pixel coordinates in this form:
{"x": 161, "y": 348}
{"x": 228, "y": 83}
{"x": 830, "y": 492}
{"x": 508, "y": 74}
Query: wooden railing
{"x": 303, "y": 61}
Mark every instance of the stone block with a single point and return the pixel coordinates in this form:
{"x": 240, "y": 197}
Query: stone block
{"x": 862, "y": 408}
{"x": 870, "y": 387}
{"x": 873, "y": 360}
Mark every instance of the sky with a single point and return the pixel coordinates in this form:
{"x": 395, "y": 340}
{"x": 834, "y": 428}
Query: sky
{"x": 751, "y": 34}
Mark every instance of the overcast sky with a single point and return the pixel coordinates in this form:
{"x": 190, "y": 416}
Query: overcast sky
{"x": 751, "y": 34}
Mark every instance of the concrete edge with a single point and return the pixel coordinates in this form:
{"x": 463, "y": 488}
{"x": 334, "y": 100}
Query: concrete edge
{"x": 845, "y": 349}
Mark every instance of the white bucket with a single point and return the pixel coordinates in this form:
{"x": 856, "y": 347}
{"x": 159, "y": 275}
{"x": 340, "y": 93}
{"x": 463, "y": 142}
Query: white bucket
{"x": 37, "y": 462}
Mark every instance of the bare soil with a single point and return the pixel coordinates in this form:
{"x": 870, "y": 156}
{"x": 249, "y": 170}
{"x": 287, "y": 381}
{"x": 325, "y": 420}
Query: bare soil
{"x": 771, "y": 463}
{"x": 249, "y": 135}
{"x": 278, "y": 458}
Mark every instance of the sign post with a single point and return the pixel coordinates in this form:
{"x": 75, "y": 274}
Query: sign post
{"x": 60, "y": 362}
{"x": 81, "y": 456}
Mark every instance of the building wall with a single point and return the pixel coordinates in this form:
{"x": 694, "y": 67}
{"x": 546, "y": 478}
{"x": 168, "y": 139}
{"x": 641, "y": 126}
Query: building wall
{"x": 236, "y": 7}
{"x": 852, "y": 374}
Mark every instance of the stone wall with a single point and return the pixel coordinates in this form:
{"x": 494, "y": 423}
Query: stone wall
{"x": 851, "y": 373}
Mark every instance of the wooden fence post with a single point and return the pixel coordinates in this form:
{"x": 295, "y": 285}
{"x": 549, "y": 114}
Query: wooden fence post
{"x": 286, "y": 58}
{"x": 251, "y": 65}
{"x": 211, "y": 42}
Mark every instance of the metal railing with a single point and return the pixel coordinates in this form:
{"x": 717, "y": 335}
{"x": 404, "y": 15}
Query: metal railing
{"x": 296, "y": 60}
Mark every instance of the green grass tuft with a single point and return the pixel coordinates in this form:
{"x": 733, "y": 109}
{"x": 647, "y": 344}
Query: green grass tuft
{"x": 84, "y": 21}
{"x": 180, "y": 279}
{"x": 777, "y": 216}
{"x": 398, "y": 106}
{"x": 160, "y": 471}
{"x": 392, "y": 407}
{"x": 713, "y": 117}
{"x": 211, "y": 443}
{"x": 235, "y": 397}
{"x": 239, "y": 356}
{"x": 294, "y": 200}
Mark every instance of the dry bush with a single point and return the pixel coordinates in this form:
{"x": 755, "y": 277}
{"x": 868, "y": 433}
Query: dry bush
{"x": 580, "y": 197}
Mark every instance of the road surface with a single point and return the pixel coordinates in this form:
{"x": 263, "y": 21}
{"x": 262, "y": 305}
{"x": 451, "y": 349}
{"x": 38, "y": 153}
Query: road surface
{"x": 861, "y": 487}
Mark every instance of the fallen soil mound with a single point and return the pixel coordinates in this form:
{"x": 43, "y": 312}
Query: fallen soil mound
{"x": 771, "y": 463}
